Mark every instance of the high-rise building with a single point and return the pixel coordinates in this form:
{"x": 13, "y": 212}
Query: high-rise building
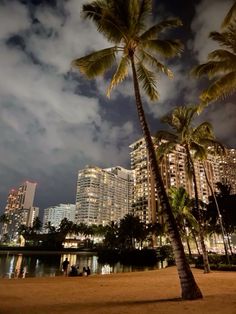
{"x": 228, "y": 169}
{"x": 103, "y": 195}
{"x": 55, "y": 214}
{"x": 19, "y": 208}
{"x": 173, "y": 171}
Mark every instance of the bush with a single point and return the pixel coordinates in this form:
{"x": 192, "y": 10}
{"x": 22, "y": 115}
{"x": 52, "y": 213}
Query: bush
{"x": 165, "y": 252}
{"x": 145, "y": 257}
{"x": 110, "y": 256}
{"x": 218, "y": 262}
{"x": 221, "y": 267}
{"x": 214, "y": 259}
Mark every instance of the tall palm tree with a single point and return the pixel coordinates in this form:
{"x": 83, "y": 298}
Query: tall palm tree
{"x": 123, "y": 23}
{"x": 213, "y": 147}
{"x": 192, "y": 139}
{"x": 221, "y": 65}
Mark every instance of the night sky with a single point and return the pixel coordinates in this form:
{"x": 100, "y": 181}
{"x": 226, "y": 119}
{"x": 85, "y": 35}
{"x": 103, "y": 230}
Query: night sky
{"x": 54, "y": 122}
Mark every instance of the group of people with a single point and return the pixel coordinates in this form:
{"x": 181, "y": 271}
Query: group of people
{"x": 74, "y": 271}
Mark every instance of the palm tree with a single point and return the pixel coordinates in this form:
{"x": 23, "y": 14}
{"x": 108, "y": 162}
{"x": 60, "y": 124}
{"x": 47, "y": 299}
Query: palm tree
{"x": 192, "y": 139}
{"x": 49, "y": 227}
{"x": 213, "y": 147}
{"x": 4, "y": 218}
{"x": 37, "y": 225}
{"x": 123, "y": 23}
{"x": 131, "y": 229}
{"x": 181, "y": 204}
{"x": 221, "y": 65}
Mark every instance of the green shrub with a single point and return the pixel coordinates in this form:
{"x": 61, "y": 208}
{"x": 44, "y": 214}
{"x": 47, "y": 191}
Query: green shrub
{"x": 145, "y": 257}
{"x": 165, "y": 252}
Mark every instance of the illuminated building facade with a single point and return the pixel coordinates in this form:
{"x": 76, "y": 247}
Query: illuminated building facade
{"x": 228, "y": 169}
{"x": 19, "y": 209}
{"x": 103, "y": 195}
{"x": 55, "y": 214}
{"x": 173, "y": 173}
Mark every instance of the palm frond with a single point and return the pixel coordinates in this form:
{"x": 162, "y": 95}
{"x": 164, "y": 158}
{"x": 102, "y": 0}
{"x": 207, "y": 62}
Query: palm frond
{"x": 153, "y": 31}
{"x": 224, "y": 86}
{"x": 216, "y": 148}
{"x": 223, "y": 55}
{"x": 120, "y": 74}
{"x": 164, "y": 148}
{"x": 229, "y": 17}
{"x": 155, "y": 63}
{"x": 225, "y": 39}
{"x": 166, "y": 48}
{"x": 145, "y": 9}
{"x": 198, "y": 151}
{"x": 203, "y": 130}
{"x": 147, "y": 79}
{"x": 96, "y": 63}
{"x": 211, "y": 68}
{"x": 102, "y": 13}
{"x": 165, "y": 136}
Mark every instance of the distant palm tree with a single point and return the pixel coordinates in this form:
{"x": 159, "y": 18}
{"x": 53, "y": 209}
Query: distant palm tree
{"x": 123, "y": 23}
{"x": 37, "y": 225}
{"x": 192, "y": 139}
{"x": 131, "y": 230}
{"x": 49, "y": 227}
{"x": 4, "y": 218}
{"x": 221, "y": 65}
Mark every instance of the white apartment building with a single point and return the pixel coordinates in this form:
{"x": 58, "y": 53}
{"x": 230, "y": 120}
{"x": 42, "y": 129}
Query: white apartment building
{"x": 55, "y": 214}
{"x": 173, "y": 173}
{"x": 103, "y": 195}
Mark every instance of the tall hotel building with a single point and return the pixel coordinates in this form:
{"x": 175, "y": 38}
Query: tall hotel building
{"x": 173, "y": 172}
{"x": 228, "y": 169}
{"x": 103, "y": 195}
{"x": 19, "y": 209}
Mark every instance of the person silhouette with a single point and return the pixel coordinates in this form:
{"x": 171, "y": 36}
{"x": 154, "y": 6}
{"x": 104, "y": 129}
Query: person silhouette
{"x": 88, "y": 271}
{"x": 84, "y": 271}
{"x": 65, "y": 265}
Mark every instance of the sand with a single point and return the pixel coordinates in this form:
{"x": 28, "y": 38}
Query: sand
{"x": 156, "y": 291}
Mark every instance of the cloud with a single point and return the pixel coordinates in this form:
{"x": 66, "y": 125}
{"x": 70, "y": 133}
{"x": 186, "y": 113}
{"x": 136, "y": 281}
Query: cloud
{"x": 51, "y": 123}
{"x": 13, "y": 18}
{"x": 223, "y": 118}
{"x": 208, "y": 18}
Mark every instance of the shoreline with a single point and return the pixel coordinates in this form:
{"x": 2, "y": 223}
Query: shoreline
{"x": 155, "y": 291}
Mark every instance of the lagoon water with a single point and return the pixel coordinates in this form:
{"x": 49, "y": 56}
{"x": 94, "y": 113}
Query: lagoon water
{"x": 38, "y": 264}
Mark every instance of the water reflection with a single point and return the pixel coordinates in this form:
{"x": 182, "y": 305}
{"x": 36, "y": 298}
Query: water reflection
{"x": 36, "y": 264}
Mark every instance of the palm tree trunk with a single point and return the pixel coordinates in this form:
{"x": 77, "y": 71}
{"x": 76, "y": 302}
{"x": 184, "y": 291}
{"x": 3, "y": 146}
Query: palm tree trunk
{"x": 230, "y": 247}
{"x": 201, "y": 236}
{"x": 190, "y": 290}
{"x": 187, "y": 241}
{"x": 218, "y": 212}
{"x": 195, "y": 240}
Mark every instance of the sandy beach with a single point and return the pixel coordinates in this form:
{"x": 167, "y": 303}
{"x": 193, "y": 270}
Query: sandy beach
{"x": 155, "y": 291}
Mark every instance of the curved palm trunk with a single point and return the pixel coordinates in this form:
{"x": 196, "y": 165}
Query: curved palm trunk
{"x": 218, "y": 212}
{"x": 190, "y": 290}
{"x": 201, "y": 236}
